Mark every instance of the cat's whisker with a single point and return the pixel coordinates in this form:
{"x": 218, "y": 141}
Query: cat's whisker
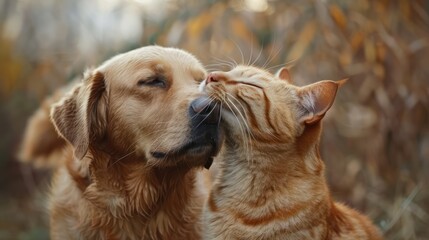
{"x": 249, "y": 134}
{"x": 288, "y": 63}
{"x": 217, "y": 66}
{"x": 271, "y": 57}
{"x": 251, "y": 52}
{"x": 229, "y": 64}
{"x": 233, "y": 61}
{"x": 220, "y": 115}
{"x": 220, "y": 64}
{"x": 245, "y": 131}
{"x": 246, "y": 117}
{"x": 211, "y": 111}
{"x": 241, "y": 52}
{"x": 257, "y": 58}
{"x": 242, "y": 130}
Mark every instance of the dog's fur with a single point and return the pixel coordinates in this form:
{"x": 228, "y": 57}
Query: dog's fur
{"x": 109, "y": 184}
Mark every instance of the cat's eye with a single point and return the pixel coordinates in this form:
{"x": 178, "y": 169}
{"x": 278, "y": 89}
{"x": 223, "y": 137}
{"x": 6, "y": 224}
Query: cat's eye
{"x": 153, "y": 81}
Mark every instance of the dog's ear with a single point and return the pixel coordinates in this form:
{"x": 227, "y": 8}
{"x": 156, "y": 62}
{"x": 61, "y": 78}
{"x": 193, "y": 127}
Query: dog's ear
{"x": 80, "y": 117}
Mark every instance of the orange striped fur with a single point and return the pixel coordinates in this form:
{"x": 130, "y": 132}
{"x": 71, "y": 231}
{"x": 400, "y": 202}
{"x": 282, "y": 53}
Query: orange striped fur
{"x": 271, "y": 183}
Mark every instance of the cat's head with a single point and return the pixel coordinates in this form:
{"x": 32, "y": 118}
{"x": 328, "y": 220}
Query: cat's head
{"x": 260, "y": 107}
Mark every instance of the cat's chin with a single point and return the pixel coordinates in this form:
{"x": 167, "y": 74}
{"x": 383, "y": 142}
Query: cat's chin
{"x": 232, "y": 133}
{"x": 233, "y": 123}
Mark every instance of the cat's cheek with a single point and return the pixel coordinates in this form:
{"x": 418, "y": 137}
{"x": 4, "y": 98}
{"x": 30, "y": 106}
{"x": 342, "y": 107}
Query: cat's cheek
{"x": 202, "y": 86}
{"x": 230, "y": 122}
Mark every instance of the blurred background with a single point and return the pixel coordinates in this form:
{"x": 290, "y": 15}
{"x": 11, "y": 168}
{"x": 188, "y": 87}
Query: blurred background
{"x": 376, "y": 138}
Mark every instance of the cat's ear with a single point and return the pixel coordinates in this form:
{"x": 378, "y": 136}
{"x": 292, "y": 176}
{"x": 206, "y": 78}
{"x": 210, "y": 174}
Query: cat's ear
{"x": 283, "y": 74}
{"x": 316, "y": 99}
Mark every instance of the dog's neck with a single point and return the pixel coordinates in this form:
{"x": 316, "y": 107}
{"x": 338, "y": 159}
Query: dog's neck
{"x": 151, "y": 199}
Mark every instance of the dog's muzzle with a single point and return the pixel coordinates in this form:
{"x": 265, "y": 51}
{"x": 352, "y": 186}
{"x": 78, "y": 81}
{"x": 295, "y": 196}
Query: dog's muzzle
{"x": 206, "y": 111}
{"x": 205, "y": 117}
{"x": 205, "y": 138}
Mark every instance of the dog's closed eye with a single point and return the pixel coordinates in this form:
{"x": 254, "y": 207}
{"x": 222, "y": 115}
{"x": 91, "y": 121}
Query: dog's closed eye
{"x": 153, "y": 81}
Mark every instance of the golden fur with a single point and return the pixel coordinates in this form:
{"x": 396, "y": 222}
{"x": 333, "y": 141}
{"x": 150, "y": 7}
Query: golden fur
{"x": 46, "y": 153}
{"x": 109, "y": 185}
{"x": 271, "y": 183}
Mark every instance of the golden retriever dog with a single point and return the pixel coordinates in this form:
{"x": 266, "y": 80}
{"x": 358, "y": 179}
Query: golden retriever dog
{"x": 137, "y": 134}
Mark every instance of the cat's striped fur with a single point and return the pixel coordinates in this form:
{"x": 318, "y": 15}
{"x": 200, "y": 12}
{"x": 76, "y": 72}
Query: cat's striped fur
{"x": 271, "y": 183}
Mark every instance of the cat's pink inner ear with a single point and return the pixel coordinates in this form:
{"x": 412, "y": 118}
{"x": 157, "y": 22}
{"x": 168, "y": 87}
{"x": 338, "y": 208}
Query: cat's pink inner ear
{"x": 316, "y": 99}
{"x": 284, "y": 74}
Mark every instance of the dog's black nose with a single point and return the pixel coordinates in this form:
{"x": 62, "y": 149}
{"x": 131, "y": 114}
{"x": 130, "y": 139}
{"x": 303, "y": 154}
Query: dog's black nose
{"x": 206, "y": 110}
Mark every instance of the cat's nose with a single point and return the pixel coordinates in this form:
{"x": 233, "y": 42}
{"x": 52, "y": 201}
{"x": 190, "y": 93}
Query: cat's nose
{"x": 212, "y": 77}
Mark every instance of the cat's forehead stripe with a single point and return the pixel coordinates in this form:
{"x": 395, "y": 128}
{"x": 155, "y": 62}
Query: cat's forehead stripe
{"x": 255, "y": 74}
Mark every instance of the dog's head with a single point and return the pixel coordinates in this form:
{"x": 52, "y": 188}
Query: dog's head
{"x": 140, "y": 104}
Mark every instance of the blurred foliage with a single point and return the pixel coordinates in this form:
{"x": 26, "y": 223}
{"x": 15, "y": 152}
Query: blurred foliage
{"x": 376, "y": 137}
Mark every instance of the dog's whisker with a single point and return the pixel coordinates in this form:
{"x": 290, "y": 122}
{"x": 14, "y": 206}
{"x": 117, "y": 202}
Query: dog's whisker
{"x": 154, "y": 147}
{"x": 119, "y": 159}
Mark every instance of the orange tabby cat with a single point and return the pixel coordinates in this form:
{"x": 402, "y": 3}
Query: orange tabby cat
{"x": 271, "y": 183}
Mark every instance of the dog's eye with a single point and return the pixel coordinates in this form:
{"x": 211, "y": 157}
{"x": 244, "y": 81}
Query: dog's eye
{"x": 155, "y": 81}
